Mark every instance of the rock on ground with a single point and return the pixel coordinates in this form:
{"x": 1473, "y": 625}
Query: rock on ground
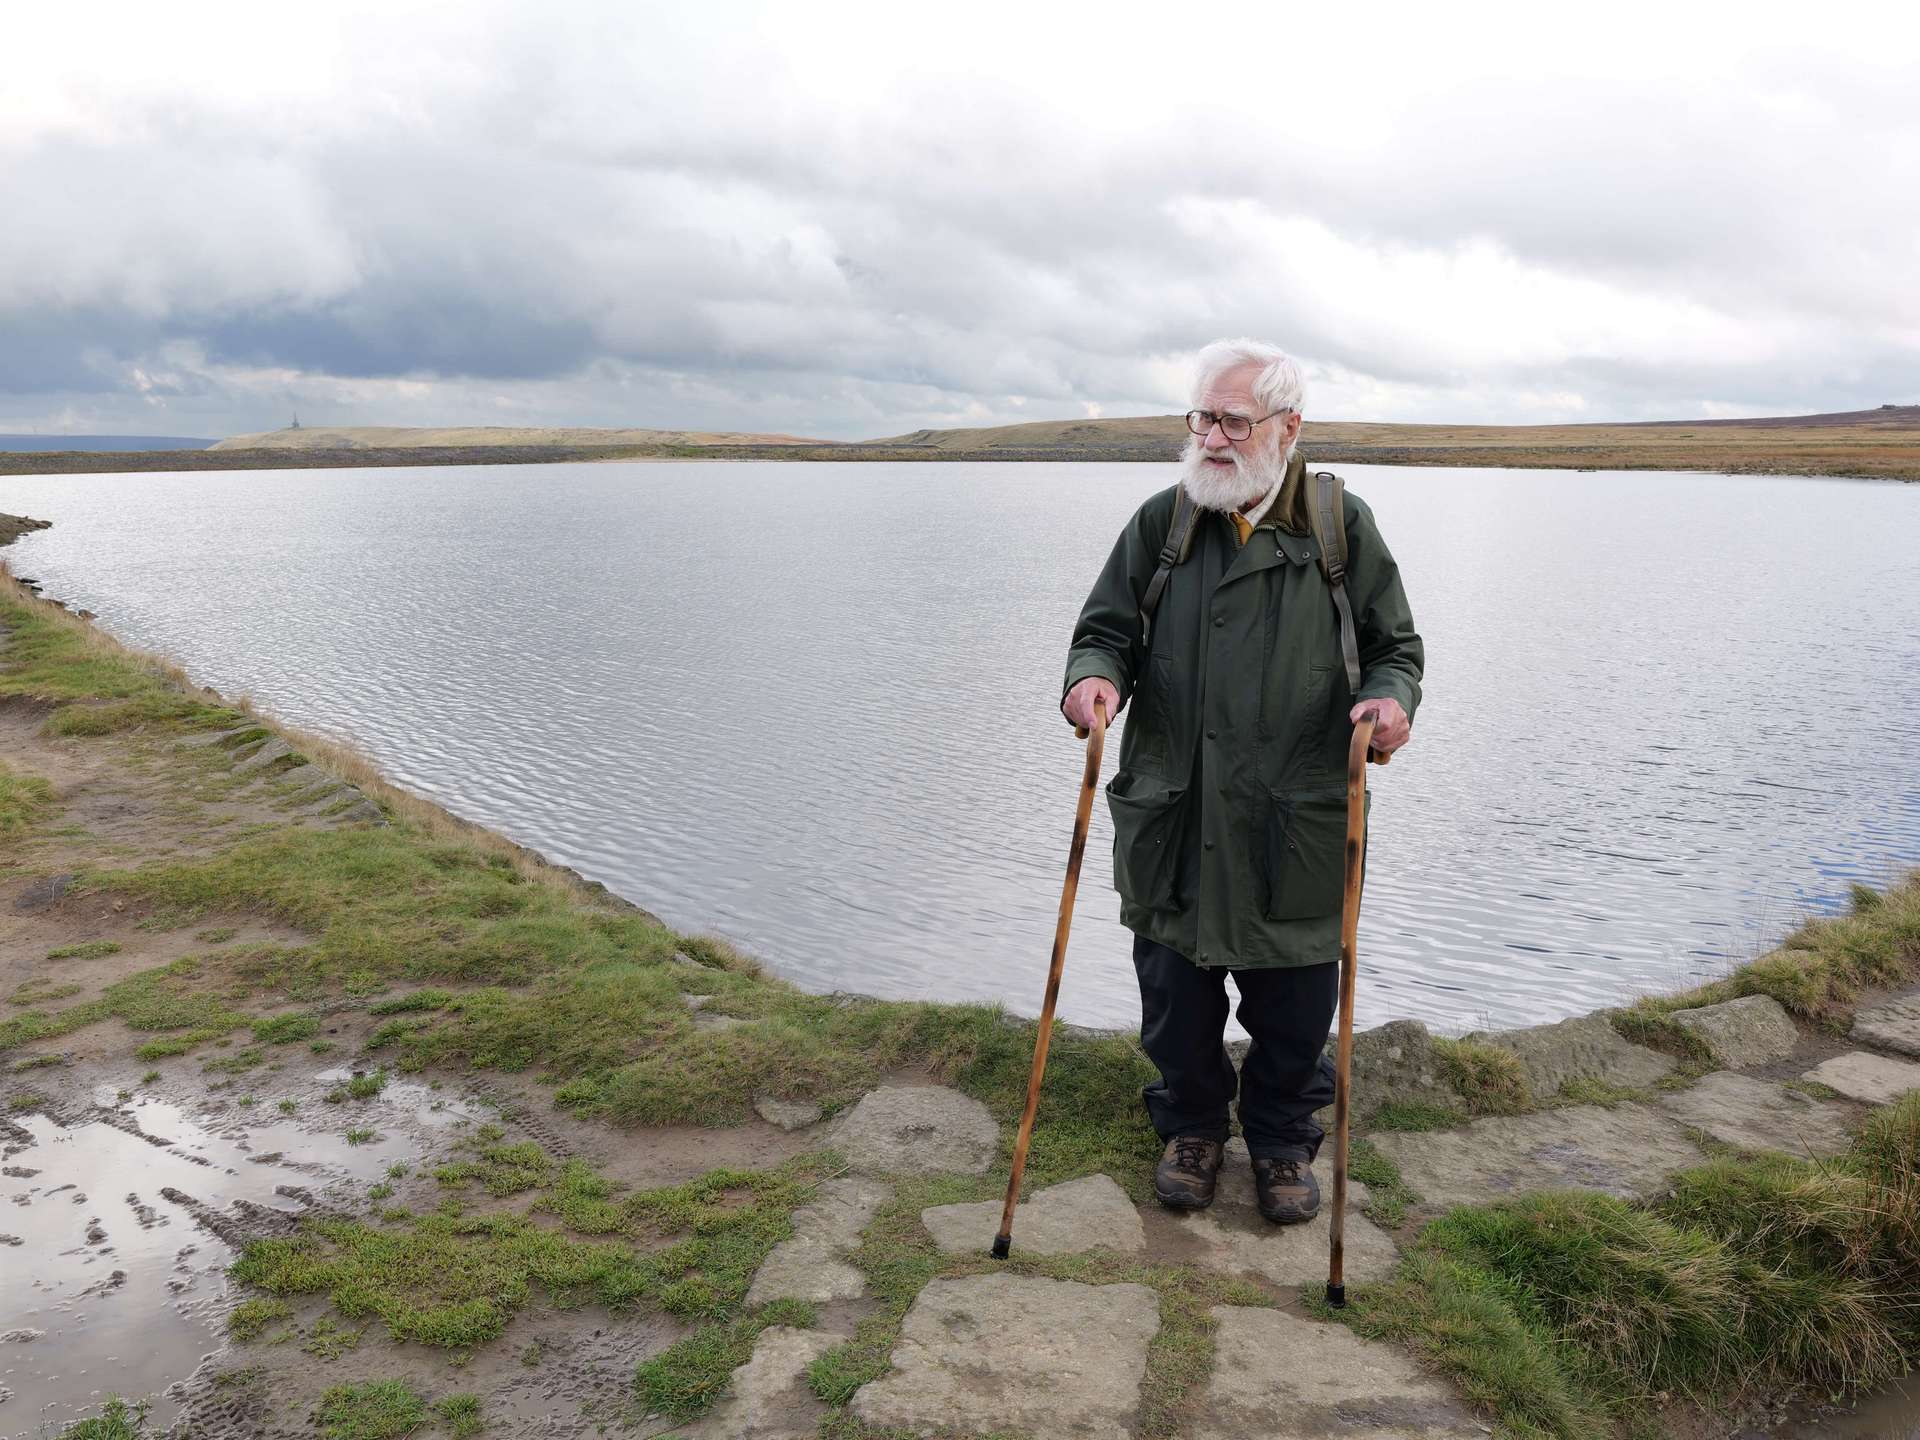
{"x": 1892, "y": 1026}
{"x": 1085, "y": 1214}
{"x": 992, "y": 1353}
{"x": 787, "y": 1114}
{"x": 768, "y": 1397}
{"x": 1749, "y": 1031}
{"x": 1392, "y": 1063}
{"x": 1761, "y": 1115}
{"x": 1872, "y": 1078}
{"x": 1280, "y": 1377}
{"x": 1586, "y": 1047}
{"x": 917, "y": 1130}
{"x": 812, "y": 1264}
{"x": 1235, "y": 1238}
{"x": 1627, "y": 1151}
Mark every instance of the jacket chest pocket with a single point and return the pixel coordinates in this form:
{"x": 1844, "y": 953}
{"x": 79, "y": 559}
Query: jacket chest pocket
{"x": 1305, "y": 853}
{"x": 1147, "y": 828}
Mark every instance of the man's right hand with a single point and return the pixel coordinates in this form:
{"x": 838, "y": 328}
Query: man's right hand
{"x": 1078, "y": 706}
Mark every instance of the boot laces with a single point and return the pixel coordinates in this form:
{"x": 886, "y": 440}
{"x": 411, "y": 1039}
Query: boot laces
{"x": 1192, "y": 1153}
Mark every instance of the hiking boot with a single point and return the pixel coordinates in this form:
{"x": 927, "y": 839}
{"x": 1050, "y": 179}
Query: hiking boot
{"x": 1285, "y": 1188}
{"x": 1184, "y": 1178}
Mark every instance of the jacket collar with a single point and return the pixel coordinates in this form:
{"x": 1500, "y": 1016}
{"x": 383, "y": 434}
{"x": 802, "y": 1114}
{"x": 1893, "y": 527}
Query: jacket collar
{"x": 1289, "y": 509}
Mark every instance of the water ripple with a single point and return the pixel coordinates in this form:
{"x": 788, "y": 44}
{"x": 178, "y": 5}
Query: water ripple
{"x": 812, "y": 707}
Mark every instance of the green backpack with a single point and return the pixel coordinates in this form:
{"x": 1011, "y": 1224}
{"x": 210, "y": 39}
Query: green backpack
{"x": 1326, "y": 518}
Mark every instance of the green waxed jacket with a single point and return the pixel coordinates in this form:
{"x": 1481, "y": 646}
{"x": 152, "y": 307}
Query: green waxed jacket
{"x": 1229, "y": 804}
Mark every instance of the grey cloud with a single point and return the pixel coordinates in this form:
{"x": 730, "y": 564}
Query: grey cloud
{"x": 627, "y": 228}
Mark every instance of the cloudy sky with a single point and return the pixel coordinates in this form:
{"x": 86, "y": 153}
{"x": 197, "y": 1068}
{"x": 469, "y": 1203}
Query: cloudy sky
{"x": 850, "y": 221}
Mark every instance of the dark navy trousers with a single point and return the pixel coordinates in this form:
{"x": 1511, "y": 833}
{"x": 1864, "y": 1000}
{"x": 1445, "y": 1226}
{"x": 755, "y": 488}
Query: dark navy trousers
{"x": 1286, "y": 1075}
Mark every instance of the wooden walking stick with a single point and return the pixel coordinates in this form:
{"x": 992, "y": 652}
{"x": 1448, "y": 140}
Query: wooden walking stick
{"x": 1358, "y": 753}
{"x": 1003, "y": 1242}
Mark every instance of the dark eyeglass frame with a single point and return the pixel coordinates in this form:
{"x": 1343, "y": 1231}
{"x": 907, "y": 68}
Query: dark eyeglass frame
{"x": 1201, "y": 421}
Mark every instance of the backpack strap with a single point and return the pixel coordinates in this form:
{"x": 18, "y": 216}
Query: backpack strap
{"x": 1327, "y": 517}
{"x": 1173, "y": 550}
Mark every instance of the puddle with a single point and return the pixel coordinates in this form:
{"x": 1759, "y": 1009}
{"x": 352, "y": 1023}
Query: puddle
{"x": 1889, "y": 1414}
{"x": 111, "y": 1232}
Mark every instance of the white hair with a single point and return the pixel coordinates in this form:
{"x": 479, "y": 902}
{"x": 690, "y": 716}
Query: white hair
{"x": 1278, "y": 386}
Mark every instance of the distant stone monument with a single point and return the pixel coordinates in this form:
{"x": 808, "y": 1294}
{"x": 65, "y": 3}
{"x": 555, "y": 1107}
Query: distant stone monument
{"x": 296, "y": 421}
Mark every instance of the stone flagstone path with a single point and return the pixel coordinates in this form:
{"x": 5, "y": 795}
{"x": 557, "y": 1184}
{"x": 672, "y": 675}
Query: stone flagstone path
{"x": 1002, "y": 1352}
{"x": 1016, "y": 1352}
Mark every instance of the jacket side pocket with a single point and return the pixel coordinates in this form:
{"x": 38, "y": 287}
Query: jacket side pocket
{"x": 1147, "y": 822}
{"x": 1306, "y": 854}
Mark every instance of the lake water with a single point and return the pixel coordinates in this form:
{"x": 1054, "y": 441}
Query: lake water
{"x": 812, "y": 707}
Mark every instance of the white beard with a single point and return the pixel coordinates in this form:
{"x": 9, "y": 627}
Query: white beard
{"x": 1217, "y": 487}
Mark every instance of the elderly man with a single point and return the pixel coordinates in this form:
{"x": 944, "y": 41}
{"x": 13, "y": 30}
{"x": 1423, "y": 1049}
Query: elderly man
{"x": 1229, "y": 810}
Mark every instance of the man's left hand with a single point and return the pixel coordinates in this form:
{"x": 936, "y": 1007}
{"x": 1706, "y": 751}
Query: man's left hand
{"x": 1391, "y": 728}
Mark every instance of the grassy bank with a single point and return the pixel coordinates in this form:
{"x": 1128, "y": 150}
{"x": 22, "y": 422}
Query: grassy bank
{"x": 1573, "y": 1315}
{"x": 1565, "y": 1315}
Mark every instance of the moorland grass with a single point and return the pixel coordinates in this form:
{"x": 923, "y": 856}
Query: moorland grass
{"x": 1569, "y": 1312}
{"x": 377, "y": 1410}
{"x": 117, "y": 1421}
{"x": 26, "y": 801}
{"x": 454, "y": 1280}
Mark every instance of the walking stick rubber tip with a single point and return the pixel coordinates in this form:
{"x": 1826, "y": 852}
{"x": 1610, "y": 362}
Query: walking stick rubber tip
{"x": 1002, "y": 1246}
{"x": 1337, "y": 1296}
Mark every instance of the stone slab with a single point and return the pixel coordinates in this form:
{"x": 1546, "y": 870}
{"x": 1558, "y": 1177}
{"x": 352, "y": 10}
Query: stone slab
{"x": 812, "y": 1264}
{"x": 1586, "y": 1047}
{"x": 1894, "y": 1026}
{"x": 1086, "y": 1214}
{"x": 917, "y": 1130}
{"x": 768, "y": 1397}
{"x": 1282, "y": 1377}
{"x": 993, "y": 1353}
{"x": 1234, "y": 1238}
{"x": 1859, "y": 1075}
{"x": 787, "y": 1114}
{"x": 1627, "y": 1151}
{"x": 1752, "y": 1030}
{"x": 1761, "y": 1115}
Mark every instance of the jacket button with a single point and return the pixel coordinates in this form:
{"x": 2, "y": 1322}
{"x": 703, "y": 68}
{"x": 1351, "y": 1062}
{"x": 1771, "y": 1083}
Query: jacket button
{"x": 1213, "y": 734}
{"x": 1218, "y": 621}
{"x": 1206, "y": 844}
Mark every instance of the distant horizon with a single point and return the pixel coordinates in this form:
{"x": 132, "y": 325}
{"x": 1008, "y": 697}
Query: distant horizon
{"x": 87, "y": 440}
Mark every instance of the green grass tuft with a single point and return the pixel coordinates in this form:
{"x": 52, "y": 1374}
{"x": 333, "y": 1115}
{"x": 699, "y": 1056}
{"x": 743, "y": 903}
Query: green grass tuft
{"x": 1415, "y": 1115}
{"x": 685, "y": 1379}
{"x": 378, "y": 1410}
{"x": 460, "y": 1414}
{"x": 285, "y": 1029}
{"x": 26, "y": 801}
{"x": 251, "y": 1317}
{"x": 118, "y": 1421}
{"x": 87, "y": 950}
{"x": 1488, "y": 1079}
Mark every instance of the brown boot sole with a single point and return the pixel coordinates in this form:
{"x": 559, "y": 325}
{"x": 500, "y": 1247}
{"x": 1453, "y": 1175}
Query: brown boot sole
{"x": 1290, "y": 1217}
{"x": 1181, "y": 1202}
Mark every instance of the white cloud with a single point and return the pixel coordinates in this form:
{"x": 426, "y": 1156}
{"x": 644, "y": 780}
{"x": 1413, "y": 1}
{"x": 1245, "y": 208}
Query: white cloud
{"x": 853, "y": 219}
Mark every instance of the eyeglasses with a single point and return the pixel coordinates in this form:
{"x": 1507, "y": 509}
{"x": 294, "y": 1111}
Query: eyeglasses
{"x": 1234, "y": 427}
